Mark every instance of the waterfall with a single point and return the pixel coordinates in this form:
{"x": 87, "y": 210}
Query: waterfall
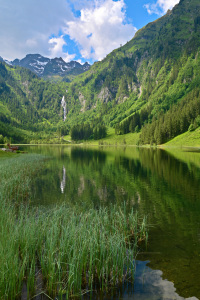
{"x": 64, "y": 105}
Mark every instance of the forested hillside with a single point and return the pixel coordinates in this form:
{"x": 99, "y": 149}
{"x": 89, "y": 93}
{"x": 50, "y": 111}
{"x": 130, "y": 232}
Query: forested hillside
{"x": 151, "y": 85}
{"x": 27, "y": 103}
{"x": 138, "y": 83}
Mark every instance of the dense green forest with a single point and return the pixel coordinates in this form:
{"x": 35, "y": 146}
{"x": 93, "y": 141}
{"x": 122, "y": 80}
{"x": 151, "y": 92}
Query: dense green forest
{"x": 86, "y": 132}
{"x": 138, "y": 87}
{"x": 28, "y": 104}
{"x": 180, "y": 118}
{"x": 137, "y": 84}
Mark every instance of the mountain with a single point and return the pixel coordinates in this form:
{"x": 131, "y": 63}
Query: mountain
{"x": 58, "y": 66}
{"x": 46, "y": 67}
{"x": 139, "y": 82}
{"x": 28, "y": 104}
{"x": 151, "y": 84}
{"x": 34, "y": 62}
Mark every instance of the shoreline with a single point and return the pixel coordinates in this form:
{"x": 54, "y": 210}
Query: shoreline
{"x": 163, "y": 147}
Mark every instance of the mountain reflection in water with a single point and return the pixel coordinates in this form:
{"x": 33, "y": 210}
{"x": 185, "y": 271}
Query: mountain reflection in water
{"x": 162, "y": 185}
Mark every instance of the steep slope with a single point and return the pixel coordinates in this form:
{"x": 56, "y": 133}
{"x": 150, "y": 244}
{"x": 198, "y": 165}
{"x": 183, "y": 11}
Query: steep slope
{"x": 27, "y": 102}
{"x": 148, "y": 75}
{"x": 151, "y": 84}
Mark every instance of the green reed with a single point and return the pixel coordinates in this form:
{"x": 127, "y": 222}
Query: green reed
{"x": 73, "y": 250}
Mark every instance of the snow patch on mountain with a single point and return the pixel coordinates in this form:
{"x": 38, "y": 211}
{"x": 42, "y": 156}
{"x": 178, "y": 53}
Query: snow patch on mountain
{"x": 44, "y": 66}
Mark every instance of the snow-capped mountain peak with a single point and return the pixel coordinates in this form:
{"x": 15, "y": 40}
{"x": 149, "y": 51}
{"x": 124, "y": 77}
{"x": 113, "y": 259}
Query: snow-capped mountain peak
{"x": 44, "y": 66}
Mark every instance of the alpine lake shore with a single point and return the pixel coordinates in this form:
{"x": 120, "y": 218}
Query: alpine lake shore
{"x": 187, "y": 139}
{"x": 40, "y": 248}
{"x": 61, "y": 251}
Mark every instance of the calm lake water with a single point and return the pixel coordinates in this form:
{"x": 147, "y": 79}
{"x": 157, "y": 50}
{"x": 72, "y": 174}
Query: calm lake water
{"x": 163, "y": 185}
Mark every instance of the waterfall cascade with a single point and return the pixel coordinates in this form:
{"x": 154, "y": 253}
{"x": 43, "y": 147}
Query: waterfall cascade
{"x": 64, "y": 105}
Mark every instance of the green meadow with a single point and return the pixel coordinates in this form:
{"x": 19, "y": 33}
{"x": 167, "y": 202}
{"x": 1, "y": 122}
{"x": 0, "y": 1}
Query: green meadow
{"x": 189, "y": 138}
{"x": 111, "y": 139}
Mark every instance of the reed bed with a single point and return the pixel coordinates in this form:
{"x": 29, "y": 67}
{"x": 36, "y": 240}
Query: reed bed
{"x": 62, "y": 251}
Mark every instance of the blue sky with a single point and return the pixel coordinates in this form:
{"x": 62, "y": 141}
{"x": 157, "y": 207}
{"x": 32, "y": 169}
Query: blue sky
{"x": 82, "y": 30}
{"x": 138, "y": 13}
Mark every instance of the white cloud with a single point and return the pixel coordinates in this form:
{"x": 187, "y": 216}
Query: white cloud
{"x": 56, "y": 49}
{"x": 26, "y": 25}
{"x": 161, "y": 6}
{"x": 56, "y": 46}
{"x": 80, "y": 61}
{"x": 100, "y": 28}
{"x": 68, "y": 57}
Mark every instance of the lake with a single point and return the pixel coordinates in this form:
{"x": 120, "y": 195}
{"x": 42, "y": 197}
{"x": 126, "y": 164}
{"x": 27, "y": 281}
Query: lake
{"x": 162, "y": 184}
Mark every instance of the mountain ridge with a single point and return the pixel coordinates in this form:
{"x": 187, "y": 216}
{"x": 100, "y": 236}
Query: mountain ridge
{"x": 137, "y": 84}
{"x": 152, "y": 71}
{"x": 46, "y": 67}
{"x": 28, "y": 104}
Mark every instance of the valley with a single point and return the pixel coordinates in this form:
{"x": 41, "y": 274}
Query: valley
{"x": 100, "y": 199}
{"x": 134, "y": 89}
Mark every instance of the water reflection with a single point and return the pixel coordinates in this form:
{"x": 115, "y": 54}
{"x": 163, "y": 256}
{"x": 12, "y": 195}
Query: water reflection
{"x": 150, "y": 285}
{"x": 163, "y": 185}
{"x": 63, "y": 182}
{"x": 88, "y": 157}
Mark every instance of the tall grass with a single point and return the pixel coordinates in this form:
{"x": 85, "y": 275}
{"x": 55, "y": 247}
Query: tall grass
{"x": 71, "y": 250}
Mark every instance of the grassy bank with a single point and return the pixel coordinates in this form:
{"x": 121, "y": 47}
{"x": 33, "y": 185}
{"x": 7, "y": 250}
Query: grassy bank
{"x": 189, "y": 138}
{"x": 62, "y": 250}
{"x": 4, "y": 154}
{"x": 112, "y": 139}
{"x": 125, "y": 139}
